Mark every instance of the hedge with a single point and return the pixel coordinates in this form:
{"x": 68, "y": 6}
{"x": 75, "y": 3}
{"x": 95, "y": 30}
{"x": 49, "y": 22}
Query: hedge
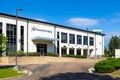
{"x": 75, "y": 56}
{"x": 108, "y": 65}
{"x": 25, "y": 54}
{"x": 52, "y": 54}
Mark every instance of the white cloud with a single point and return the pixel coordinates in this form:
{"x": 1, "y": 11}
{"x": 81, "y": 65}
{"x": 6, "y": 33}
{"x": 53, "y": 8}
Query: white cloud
{"x": 115, "y": 20}
{"x": 109, "y": 35}
{"x": 117, "y": 14}
{"x": 83, "y": 22}
{"x": 40, "y": 19}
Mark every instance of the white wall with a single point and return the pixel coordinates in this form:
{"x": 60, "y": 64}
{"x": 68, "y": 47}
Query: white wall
{"x": 98, "y": 48}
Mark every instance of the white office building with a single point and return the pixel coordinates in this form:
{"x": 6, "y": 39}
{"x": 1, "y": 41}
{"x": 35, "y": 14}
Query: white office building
{"x": 37, "y": 36}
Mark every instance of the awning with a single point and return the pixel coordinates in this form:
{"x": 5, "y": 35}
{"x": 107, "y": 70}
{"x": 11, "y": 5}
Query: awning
{"x": 44, "y": 38}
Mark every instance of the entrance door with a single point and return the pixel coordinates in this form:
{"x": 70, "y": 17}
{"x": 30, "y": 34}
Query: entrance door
{"x": 42, "y": 49}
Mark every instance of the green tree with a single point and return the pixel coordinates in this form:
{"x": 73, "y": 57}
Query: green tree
{"x": 114, "y": 44}
{"x": 106, "y": 52}
{"x": 3, "y": 42}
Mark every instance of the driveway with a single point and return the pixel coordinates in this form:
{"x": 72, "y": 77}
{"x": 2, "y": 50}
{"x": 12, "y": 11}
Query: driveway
{"x": 62, "y": 71}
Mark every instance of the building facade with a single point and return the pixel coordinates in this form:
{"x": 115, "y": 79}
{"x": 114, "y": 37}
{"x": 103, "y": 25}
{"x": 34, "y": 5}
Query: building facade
{"x": 37, "y": 36}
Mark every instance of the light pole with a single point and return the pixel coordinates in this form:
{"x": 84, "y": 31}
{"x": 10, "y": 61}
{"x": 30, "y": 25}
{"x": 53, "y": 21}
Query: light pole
{"x": 18, "y": 9}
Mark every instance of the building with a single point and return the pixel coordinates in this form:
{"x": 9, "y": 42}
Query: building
{"x": 37, "y": 36}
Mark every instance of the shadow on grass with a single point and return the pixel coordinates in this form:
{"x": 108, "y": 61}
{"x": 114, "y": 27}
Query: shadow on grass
{"x": 79, "y": 76}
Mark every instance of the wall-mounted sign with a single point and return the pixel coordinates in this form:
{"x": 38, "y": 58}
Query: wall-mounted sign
{"x": 41, "y": 30}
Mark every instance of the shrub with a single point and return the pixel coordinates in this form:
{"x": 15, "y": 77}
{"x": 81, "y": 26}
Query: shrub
{"x": 75, "y": 56}
{"x": 108, "y": 65}
{"x": 32, "y": 54}
{"x": 52, "y": 54}
{"x": 0, "y": 55}
{"x": 20, "y": 53}
{"x": 11, "y": 54}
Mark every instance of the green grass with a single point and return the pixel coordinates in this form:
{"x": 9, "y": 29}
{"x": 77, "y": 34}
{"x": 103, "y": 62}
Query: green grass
{"x": 8, "y": 72}
{"x": 117, "y": 74}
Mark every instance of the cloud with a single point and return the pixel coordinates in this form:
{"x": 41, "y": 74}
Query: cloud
{"x": 109, "y": 35}
{"x": 83, "y": 22}
{"x": 115, "y": 20}
{"x": 40, "y": 19}
{"x": 117, "y": 14}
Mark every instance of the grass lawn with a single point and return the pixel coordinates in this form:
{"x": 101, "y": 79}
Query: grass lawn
{"x": 117, "y": 74}
{"x": 8, "y": 72}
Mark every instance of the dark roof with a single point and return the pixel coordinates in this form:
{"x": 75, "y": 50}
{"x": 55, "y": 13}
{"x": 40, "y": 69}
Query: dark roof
{"x": 50, "y": 23}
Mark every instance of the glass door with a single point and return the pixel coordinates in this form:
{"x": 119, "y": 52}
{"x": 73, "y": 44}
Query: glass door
{"x": 42, "y": 49}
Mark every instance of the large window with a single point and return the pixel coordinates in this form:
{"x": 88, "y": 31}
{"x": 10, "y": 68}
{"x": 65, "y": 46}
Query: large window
{"x": 0, "y": 28}
{"x": 22, "y": 38}
{"x": 58, "y": 43}
{"x": 85, "y": 40}
{"x": 57, "y": 35}
{"x": 91, "y": 41}
{"x": 64, "y": 37}
{"x": 71, "y": 51}
{"x": 11, "y": 35}
{"x": 79, "y": 39}
{"x": 72, "y": 38}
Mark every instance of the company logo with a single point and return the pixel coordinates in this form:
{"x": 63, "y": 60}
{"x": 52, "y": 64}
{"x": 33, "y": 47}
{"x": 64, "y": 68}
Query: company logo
{"x": 41, "y": 30}
{"x": 33, "y": 28}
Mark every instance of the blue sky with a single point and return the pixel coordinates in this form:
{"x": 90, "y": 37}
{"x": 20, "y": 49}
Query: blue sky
{"x": 91, "y": 14}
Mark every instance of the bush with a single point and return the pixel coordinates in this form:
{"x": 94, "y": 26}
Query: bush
{"x": 0, "y": 55}
{"x": 75, "y": 56}
{"x": 32, "y": 54}
{"x": 20, "y": 53}
{"x": 52, "y": 54}
{"x": 108, "y": 65}
{"x": 11, "y": 54}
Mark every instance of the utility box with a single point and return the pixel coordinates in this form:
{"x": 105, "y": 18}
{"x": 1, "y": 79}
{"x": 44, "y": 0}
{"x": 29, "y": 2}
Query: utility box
{"x": 117, "y": 53}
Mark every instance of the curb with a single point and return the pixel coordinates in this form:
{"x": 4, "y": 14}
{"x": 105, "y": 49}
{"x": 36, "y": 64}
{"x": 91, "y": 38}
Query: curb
{"x": 91, "y": 70}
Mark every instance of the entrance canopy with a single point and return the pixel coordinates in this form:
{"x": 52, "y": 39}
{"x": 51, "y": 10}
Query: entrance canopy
{"x": 44, "y": 38}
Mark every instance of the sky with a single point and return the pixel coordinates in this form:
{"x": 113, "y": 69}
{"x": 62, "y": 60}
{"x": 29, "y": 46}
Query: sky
{"x": 91, "y": 14}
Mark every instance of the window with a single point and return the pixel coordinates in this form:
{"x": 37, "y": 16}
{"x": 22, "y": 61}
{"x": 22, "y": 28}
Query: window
{"x": 57, "y": 35}
{"x": 79, "y": 39}
{"x": 71, "y": 51}
{"x": 91, "y": 41}
{"x": 58, "y": 43}
{"x": 85, "y": 40}
{"x": 72, "y": 38}
{"x": 22, "y": 38}
{"x": 11, "y": 35}
{"x": 64, "y": 37}
{"x": 0, "y": 28}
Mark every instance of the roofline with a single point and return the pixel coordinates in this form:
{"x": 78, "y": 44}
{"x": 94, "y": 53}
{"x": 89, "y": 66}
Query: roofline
{"x": 50, "y": 23}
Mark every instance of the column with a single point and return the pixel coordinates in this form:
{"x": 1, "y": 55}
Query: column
{"x": 82, "y": 52}
{"x": 4, "y": 28}
{"x": 68, "y": 51}
{"x": 88, "y": 53}
{"x": 75, "y": 51}
{"x": 68, "y": 43}
{"x": 60, "y": 55}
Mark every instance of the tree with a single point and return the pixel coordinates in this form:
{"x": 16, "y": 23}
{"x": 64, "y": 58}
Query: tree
{"x": 106, "y": 52}
{"x": 114, "y": 44}
{"x": 3, "y": 42}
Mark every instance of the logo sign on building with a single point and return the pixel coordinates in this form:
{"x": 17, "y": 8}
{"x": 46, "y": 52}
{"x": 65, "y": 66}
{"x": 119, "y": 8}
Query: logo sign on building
{"x": 41, "y": 30}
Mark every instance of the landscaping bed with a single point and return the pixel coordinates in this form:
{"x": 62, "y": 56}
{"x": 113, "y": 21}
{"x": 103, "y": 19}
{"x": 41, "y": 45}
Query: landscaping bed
{"x": 107, "y": 66}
